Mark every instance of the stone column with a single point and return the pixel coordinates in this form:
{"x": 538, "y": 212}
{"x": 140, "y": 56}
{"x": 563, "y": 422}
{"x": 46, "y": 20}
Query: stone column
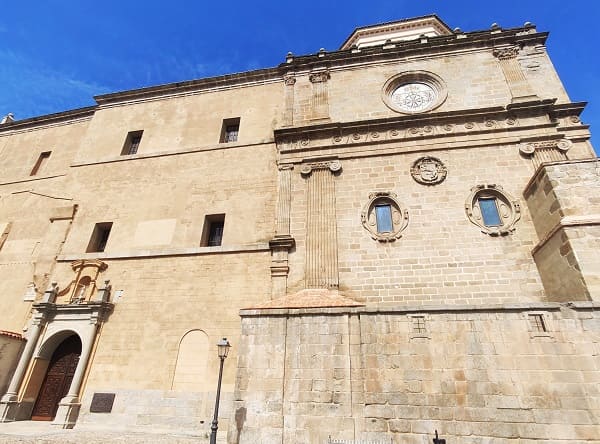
{"x": 520, "y": 88}
{"x": 9, "y": 402}
{"x": 321, "y": 225}
{"x": 68, "y": 408}
{"x": 320, "y": 95}
{"x": 288, "y": 115}
{"x": 283, "y": 241}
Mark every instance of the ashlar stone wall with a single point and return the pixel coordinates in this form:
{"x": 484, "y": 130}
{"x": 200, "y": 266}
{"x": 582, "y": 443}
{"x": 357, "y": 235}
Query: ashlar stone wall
{"x": 490, "y": 374}
{"x": 565, "y": 207}
{"x": 441, "y": 257}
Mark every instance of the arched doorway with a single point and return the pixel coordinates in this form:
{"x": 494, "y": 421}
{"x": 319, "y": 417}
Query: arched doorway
{"x": 58, "y": 379}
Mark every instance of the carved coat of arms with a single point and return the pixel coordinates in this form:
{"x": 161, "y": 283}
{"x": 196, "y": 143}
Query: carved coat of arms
{"x": 428, "y": 170}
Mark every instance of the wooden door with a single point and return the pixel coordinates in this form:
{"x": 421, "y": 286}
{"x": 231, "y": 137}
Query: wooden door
{"x": 58, "y": 379}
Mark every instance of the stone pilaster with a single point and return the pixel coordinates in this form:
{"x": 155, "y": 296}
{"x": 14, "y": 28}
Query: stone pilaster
{"x": 283, "y": 241}
{"x": 321, "y": 227}
{"x": 520, "y": 88}
{"x": 289, "y": 81}
{"x": 10, "y": 401}
{"x": 320, "y": 95}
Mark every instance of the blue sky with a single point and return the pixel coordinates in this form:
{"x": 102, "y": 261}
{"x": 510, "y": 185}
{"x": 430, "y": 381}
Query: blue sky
{"x": 56, "y": 55}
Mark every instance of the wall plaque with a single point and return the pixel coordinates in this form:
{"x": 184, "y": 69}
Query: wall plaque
{"x": 102, "y": 402}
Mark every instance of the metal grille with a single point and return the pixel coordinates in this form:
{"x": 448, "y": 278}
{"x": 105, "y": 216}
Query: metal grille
{"x": 216, "y": 233}
{"x": 135, "y": 143}
{"x": 537, "y": 322}
{"x": 231, "y": 133}
{"x": 419, "y": 324}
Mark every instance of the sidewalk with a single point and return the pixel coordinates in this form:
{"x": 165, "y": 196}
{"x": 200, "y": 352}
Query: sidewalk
{"x": 40, "y": 432}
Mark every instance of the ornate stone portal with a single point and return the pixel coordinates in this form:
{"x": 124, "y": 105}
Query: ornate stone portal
{"x": 51, "y": 323}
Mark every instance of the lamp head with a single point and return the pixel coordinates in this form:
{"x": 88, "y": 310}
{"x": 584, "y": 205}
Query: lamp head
{"x": 223, "y": 347}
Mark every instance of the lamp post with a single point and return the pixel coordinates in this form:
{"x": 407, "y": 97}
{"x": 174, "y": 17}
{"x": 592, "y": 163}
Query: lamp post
{"x": 223, "y": 348}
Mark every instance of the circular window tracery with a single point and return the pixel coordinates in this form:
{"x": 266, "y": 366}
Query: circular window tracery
{"x": 492, "y": 209}
{"x": 414, "y": 92}
{"x": 384, "y": 217}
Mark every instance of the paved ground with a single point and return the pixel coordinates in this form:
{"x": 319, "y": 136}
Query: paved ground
{"x": 37, "y": 432}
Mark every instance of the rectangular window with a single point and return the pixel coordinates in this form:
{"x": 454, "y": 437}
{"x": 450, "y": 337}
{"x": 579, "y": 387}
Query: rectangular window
{"x": 230, "y": 130}
{"x": 132, "y": 143}
{"x": 4, "y": 229}
{"x": 537, "y": 323}
{"x": 99, "y": 237}
{"x": 489, "y": 211}
{"x": 212, "y": 234}
{"x": 41, "y": 162}
{"x": 383, "y": 214}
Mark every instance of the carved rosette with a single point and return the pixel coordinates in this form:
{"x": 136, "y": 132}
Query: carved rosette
{"x": 397, "y": 131}
{"x": 332, "y": 165}
{"x": 428, "y": 170}
{"x": 506, "y": 53}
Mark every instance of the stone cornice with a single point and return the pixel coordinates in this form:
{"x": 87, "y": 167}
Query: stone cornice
{"x": 168, "y": 252}
{"x": 92, "y": 309}
{"x": 333, "y": 136}
{"x": 48, "y": 119}
{"x": 444, "y": 44}
{"x": 567, "y": 222}
{"x": 431, "y": 309}
{"x": 207, "y": 84}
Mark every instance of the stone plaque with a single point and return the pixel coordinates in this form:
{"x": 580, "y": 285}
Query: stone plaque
{"x": 102, "y": 402}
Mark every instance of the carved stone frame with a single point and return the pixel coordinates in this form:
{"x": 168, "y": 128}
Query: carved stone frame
{"x": 509, "y": 209}
{"x": 399, "y": 216}
{"x": 433, "y": 81}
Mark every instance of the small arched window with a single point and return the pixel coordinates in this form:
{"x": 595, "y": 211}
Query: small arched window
{"x": 383, "y": 217}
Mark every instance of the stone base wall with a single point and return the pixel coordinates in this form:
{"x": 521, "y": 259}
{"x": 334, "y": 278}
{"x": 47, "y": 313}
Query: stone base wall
{"x": 158, "y": 410}
{"x": 502, "y": 374}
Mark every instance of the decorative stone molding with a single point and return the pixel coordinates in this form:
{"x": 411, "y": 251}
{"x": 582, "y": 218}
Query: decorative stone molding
{"x": 414, "y": 92}
{"x": 84, "y": 285}
{"x": 545, "y": 151}
{"x": 509, "y": 209}
{"x": 319, "y": 76}
{"x": 289, "y": 79}
{"x": 299, "y": 140}
{"x": 506, "y": 53}
{"x": 398, "y": 212}
{"x": 428, "y": 170}
{"x": 529, "y": 148}
{"x": 333, "y": 165}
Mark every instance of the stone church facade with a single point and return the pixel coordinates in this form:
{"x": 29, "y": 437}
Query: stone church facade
{"x": 397, "y": 237}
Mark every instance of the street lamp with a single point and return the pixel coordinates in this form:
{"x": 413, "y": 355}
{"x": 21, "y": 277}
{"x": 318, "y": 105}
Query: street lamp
{"x": 223, "y": 348}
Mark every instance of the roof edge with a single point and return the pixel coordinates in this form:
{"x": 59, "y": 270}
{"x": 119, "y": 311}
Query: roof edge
{"x": 44, "y": 119}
